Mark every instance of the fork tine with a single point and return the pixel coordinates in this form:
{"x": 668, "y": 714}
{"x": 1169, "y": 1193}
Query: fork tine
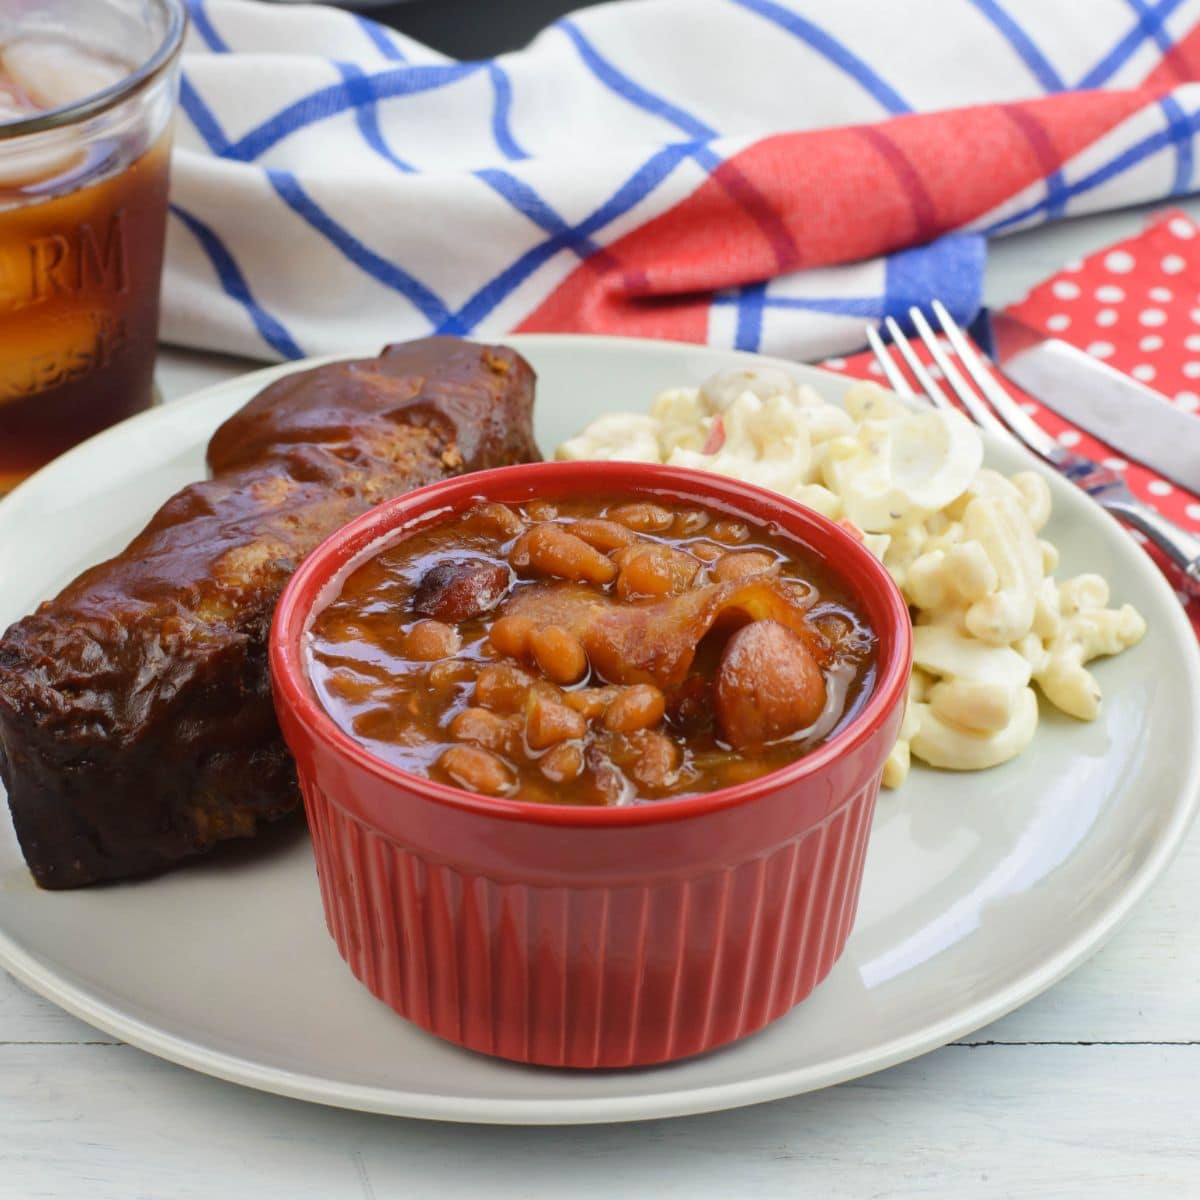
{"x": 929, "y": 385}
{"x": 1019, "y": 422}
{"x": 894, "y": 375}
{"x": 980, "y": 413}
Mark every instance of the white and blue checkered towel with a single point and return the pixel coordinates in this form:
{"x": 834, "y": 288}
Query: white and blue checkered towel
{"x": 765, "y": 174}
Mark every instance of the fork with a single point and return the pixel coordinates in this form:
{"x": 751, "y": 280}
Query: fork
{"x": 990, "y": 406}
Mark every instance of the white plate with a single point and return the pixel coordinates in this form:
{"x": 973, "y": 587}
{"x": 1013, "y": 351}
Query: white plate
{"x": 980, "y": 890}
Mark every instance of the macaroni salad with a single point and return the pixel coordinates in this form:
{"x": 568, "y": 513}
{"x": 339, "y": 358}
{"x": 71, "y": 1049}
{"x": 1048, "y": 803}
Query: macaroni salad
{"x": 990, "y": 617}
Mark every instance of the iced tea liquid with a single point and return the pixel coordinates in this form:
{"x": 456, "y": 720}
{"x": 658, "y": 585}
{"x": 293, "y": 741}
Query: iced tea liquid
{"x": 82, "y": 225}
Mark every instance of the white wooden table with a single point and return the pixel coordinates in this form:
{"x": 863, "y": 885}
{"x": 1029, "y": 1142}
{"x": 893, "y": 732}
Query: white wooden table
{"x": 1092, "y": 1090}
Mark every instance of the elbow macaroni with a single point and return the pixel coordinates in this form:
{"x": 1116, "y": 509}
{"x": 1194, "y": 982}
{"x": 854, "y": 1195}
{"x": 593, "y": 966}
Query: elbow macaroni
{"x": 961, "y": 541}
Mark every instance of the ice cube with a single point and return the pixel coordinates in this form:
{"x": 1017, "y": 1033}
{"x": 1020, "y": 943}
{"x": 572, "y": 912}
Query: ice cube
{"x": 54, "y": 73}
{"x": 13, "y": 105}
{"x": 10, "y": 111}
{"x": 23, "y": 166}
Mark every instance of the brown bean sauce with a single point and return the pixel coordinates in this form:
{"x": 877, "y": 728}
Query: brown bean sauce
{"x": 599, "y": 651}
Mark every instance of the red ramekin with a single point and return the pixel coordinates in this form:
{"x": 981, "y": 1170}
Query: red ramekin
{"x": 589, "y": 937}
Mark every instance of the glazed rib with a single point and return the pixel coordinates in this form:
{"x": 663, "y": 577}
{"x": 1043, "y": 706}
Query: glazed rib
{"x": 136, "y": 724}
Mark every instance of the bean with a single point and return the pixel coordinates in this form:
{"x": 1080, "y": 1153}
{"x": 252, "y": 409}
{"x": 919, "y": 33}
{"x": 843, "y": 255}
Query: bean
{"x": 621, "y": 748}
{"x": 550, "y": 692}
{"x": 497, "y": 519}
{"x": 563, "y": 762}
{"x": 645, "y": 518}
{"x": 834, "y": 626}
{"x": 542, "y": 510}
{"x": 446, "y": 674}
{"x": 591, "y": 702}
{"x": 510, "y": 635}
{"x": 737, "y": 564}
{"x": 535, "y": 791}
{"x": 729, "y": 532}
{"x": 430, "y": 640}
{"x": 482, "y": 727}
{"x": 800, "y": 592}
{"x": 609, "y": 785}
{"x": 636, "y": 707}
{"x": 658, "y": 760}
{"x": 706, "y": 551}
{"x": 603, "y": 535}
{"x": 477, "y": 770}
{"x": 346, "y": 684}
{"x": 383, "y": 724}
{"x": 559, "y": 654}
{"x": 502, "y": 688}
{"x": 552, "y": 550}
{"x": 652, "y": 570}
{"x": 549, "y": 722}
{"x": 730, "y": 774}
{"x": 768, "y": 686}
{"x": 689, "y": 521}
{"x": 459, "y": 589}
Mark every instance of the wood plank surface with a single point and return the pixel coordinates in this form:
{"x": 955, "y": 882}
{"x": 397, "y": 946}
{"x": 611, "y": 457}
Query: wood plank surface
{"x": 1093, "y": 1122}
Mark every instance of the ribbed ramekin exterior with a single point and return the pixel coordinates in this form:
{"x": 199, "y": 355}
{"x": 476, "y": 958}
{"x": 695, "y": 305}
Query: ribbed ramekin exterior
{"x": 600, "y": 976}
{"x": 591, "y": 937}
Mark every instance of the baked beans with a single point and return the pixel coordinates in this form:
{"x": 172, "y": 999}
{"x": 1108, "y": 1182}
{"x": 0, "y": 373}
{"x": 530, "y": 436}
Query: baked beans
{"x": 601, "y": 651}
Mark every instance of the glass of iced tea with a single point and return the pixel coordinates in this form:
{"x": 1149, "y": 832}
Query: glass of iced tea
{"x": 87, "y": 92}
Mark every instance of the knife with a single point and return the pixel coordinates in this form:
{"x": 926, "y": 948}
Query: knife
{"x": 1135, "y": 419}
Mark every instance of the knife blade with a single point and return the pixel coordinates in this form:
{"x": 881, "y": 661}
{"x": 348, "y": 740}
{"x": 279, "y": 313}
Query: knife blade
{"x": 1139, "y": 422}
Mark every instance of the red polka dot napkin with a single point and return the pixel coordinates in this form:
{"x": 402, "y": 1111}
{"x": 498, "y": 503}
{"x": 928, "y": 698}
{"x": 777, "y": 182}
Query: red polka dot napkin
{"x": 1137, "y": 306}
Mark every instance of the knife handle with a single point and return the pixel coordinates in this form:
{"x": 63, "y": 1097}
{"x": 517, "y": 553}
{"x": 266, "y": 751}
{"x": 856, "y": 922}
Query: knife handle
{"x": 1181, "y": 547}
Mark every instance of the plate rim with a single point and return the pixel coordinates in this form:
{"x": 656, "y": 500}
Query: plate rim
{"x": 186, "y": 1052}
